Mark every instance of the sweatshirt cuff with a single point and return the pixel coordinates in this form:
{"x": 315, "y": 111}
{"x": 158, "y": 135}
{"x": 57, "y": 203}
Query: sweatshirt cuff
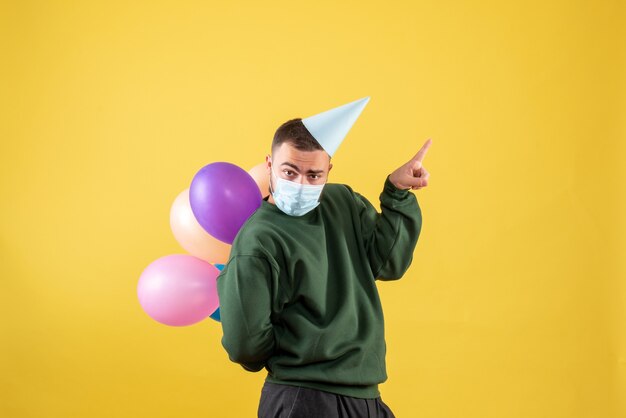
{"x": 391, "y": 190}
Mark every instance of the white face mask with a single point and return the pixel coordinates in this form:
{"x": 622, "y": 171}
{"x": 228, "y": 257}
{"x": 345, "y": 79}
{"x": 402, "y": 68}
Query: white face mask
{"x": 293, "y": 198}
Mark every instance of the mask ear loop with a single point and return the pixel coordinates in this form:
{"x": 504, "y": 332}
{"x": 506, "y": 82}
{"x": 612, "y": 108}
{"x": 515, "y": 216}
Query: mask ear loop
{"x": 270, "y": 182}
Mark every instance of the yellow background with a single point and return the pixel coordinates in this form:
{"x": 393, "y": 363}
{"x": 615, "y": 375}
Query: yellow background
{"x": 514, "y": 304}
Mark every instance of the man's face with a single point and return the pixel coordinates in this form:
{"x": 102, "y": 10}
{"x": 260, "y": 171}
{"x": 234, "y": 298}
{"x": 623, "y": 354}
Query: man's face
{"x": 305, "y": 167}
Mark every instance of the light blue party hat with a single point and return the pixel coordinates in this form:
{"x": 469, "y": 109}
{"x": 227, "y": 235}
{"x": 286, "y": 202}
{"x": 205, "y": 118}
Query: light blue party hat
{"x": 329, "y": 128}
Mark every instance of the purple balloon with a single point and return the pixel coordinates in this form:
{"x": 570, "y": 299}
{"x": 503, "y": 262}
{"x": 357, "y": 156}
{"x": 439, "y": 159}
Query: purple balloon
{"x": 178, "y": 290}
{"x": 222, "y": 197}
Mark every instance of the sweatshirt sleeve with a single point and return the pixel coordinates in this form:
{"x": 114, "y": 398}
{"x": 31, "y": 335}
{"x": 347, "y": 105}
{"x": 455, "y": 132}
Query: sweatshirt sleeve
{"x": 390, "y": 237}
{"x": 244, "y": 289}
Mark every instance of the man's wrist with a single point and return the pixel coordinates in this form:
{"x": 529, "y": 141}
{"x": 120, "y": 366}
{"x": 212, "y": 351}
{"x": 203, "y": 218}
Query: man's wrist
{"x": 394, "y": 190}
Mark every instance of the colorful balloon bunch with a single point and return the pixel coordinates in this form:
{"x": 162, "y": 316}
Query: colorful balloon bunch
{"x": 181, "y": 289}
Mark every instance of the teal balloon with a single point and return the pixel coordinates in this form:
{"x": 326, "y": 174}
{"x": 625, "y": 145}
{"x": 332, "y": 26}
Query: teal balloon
{"x": 216, "y": 315}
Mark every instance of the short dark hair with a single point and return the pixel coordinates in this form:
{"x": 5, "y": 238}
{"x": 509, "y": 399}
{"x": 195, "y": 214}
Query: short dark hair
{"x": 295, "y": 133}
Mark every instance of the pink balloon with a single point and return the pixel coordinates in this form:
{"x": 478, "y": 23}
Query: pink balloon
{"x": 178, "y": 290}
{"x": 191, "y": 236}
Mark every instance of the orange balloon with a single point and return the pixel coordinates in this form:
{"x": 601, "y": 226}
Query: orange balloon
{"x": 261, "y": 177}
{"x": 191, "y": 236}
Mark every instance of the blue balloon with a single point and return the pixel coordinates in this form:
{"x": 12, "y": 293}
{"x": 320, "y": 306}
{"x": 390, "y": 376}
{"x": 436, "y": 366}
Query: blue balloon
{"x": 216, "y": 315}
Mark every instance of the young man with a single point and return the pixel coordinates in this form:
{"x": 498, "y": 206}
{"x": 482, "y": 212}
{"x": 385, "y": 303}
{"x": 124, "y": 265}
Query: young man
{"x": 298, "y": 296}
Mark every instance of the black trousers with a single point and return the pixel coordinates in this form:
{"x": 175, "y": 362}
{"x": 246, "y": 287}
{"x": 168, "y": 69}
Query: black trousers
{"x": 282, "y": 401}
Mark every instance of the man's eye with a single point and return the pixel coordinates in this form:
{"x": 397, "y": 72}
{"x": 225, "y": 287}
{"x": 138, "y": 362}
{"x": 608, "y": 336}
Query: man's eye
{"x": 288, "y": 172}
{"x": 314, "y": 176}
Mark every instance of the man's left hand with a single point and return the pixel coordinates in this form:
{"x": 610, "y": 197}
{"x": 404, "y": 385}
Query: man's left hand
{"x": 412, "y": 175}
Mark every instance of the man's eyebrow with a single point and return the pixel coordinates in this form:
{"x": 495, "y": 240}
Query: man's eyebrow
{"x": 295, "y": 167}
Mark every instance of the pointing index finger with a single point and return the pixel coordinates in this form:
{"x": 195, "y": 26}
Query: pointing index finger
{"x": 422, "y": 152}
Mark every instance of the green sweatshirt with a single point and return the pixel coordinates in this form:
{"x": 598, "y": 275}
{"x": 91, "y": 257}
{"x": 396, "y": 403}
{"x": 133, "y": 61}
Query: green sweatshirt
{"x": 298, "y": 295}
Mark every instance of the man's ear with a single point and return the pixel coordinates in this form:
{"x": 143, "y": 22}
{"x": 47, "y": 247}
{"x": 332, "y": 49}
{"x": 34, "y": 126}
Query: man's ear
{"x": 268, "y": 163}
{"x": 330, "y": 167}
